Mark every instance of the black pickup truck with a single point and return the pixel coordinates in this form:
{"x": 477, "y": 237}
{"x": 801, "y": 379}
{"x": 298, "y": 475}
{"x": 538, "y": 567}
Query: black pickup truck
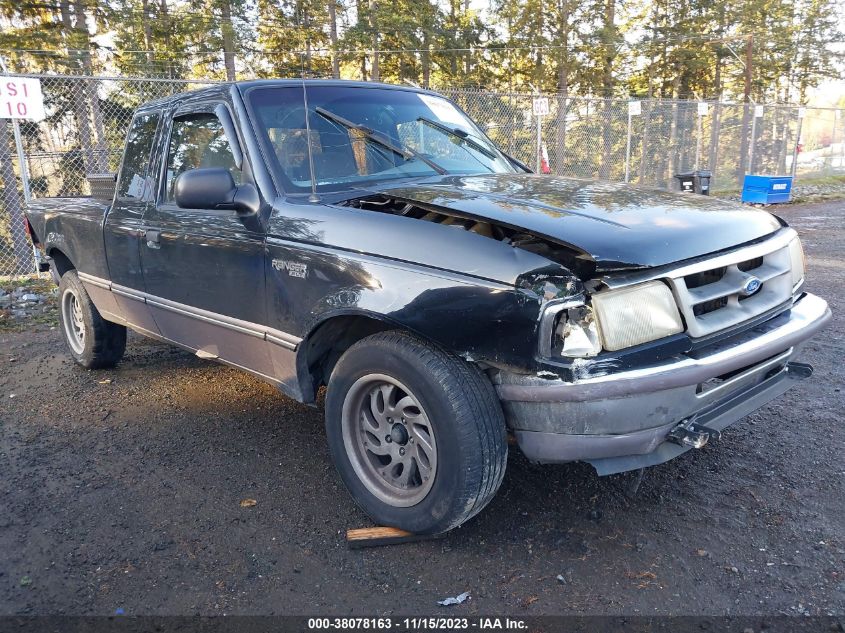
{"x": 372, "y": 239}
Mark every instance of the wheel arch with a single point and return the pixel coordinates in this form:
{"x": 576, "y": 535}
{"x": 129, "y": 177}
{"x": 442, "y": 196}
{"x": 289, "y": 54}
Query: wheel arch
{"x": 61, "y": 263}
{"x": 323, "y": 346}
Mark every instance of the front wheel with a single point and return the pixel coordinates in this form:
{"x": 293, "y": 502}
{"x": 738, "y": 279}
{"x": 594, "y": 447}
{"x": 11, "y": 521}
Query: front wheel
{"x": 417, "y": 435}
{"x": 93, "y": 342}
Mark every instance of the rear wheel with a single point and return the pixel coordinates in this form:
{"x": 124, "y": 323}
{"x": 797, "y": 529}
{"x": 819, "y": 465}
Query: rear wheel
{"x": 417, "y": 435}
{"x": 92, "y": 341}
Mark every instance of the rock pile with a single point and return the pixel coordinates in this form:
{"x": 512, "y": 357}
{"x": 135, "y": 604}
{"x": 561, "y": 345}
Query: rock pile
{"x": 23, "y": 303}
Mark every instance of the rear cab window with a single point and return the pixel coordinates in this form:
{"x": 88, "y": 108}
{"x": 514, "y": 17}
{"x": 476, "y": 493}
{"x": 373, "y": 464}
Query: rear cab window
{"x": 134, "y": 182}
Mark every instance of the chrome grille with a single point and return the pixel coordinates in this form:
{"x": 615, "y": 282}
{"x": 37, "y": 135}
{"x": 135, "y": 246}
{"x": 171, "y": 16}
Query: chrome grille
{"x": 713, "y": 295}
{"x": 705, "y": 277}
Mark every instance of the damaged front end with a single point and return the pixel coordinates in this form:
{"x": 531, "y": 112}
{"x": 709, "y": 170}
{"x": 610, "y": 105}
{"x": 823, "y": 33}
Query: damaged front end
{"x": 627, "y": 366}
{"x": 621, "y": 413}
{"x": 567, "y": 256}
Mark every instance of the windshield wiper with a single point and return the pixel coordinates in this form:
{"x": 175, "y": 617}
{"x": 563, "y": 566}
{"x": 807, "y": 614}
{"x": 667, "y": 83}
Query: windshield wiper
{"x": 459, "y": 134}
{"x": 381, "y": 139}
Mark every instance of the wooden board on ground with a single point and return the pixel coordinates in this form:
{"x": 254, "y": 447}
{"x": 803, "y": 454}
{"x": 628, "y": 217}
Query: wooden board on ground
{"x": 376, "y": 536}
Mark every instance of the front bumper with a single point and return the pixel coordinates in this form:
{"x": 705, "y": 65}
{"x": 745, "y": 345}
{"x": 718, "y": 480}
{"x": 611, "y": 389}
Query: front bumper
{"x": 620, "y": 420}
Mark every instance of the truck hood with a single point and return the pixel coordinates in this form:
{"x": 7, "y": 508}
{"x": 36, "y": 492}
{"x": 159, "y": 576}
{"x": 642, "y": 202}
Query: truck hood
{"x": 618, "y": 226}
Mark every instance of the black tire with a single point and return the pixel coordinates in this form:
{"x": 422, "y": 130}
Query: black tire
{"x": 92, "y": 341}
{"x": 460, "y": 409}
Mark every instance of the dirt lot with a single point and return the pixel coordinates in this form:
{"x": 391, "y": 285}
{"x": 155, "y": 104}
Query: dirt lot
{"x": 121, "y": 490}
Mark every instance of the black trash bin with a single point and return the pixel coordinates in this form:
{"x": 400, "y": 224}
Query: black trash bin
{"x": 694, "y": 182}
{"x": 701, "y": 182}
{"x": 686, "y": 182}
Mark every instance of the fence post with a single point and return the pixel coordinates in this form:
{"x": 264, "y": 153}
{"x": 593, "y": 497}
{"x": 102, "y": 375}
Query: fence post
{"x": 628, "y": 151}
{"x": 540, "y": 107}
{"x": 713, "y": 149}
{"x": 19, "y": 146}
{"x": 645, "y": 147}
{"x": 27, "y": 195}
{"x": 794, "y": 166}
{"x": 634, "y": 107}
{"x": 828, "y": 163}
{"x": 842, "y": 144}
{"x": 512, "y": 128}
{"x": 758, "y": 112}
{"x": 701, "y": 112}
{"x": 11, "y": 205}
{"x": 27, "y": 192}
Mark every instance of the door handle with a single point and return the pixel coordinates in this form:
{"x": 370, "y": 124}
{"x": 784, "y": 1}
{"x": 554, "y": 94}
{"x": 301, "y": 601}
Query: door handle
{"x": 152, "y": 238}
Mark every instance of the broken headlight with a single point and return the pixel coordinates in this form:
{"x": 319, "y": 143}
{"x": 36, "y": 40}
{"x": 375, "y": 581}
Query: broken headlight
{"x": 617, "y": 319}
{"x": 577, "y": 333}
{"x": 569, "y": 329}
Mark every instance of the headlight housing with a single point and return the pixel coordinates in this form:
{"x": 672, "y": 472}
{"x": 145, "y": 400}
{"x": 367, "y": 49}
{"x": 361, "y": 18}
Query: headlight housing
{"x": 617, "y": 319}
{"x": 797, "y": 262}
{"x": 636, "y": 314}
{"x": 578, "y": 333}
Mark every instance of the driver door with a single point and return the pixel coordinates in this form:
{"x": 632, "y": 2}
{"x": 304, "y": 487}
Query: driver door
{"x": 204, "y": 268}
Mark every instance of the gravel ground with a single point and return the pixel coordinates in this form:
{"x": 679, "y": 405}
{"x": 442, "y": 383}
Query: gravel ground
{"x": 122, "y": 489}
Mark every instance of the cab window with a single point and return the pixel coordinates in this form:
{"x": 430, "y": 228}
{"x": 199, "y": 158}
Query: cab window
{"x": 197, "y": 141}
{"x": 134, "y": 182}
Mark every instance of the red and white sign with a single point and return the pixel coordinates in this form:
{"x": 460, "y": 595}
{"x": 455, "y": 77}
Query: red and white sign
{"x": 21, "y": 98}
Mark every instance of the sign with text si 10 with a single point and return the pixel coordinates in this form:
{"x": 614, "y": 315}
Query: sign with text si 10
{"x": 21, "y": 98}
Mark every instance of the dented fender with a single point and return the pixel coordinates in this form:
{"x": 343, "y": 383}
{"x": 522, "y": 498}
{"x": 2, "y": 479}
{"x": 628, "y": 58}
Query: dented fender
{"x": 475, "y": 296}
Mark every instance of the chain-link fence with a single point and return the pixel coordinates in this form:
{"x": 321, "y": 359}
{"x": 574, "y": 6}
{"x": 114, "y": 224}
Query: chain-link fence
{"x": 87, "y": 118}
{"x": 83, "y": 133}
{"x": 597, "y": 138}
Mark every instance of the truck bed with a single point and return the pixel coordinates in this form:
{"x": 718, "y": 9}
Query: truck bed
{"x": 72, "y": 225}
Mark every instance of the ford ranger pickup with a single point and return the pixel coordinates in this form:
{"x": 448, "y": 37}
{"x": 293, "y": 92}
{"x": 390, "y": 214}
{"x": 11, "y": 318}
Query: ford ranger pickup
{"x": 373, "y": 240}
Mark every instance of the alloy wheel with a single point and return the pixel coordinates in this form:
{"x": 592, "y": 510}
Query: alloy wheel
{"x": 389, "y": 440}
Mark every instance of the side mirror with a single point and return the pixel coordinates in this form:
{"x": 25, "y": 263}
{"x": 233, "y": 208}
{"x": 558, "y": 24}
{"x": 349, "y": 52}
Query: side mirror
{"x": 214, "y": 188}
{"x": 205, "y": 188}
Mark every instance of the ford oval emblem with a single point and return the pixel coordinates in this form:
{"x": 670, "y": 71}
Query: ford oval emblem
{"x": 751, "y": 286}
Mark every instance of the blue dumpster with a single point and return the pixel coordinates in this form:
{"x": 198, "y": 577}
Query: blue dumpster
{"x": 766, "y": 189}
